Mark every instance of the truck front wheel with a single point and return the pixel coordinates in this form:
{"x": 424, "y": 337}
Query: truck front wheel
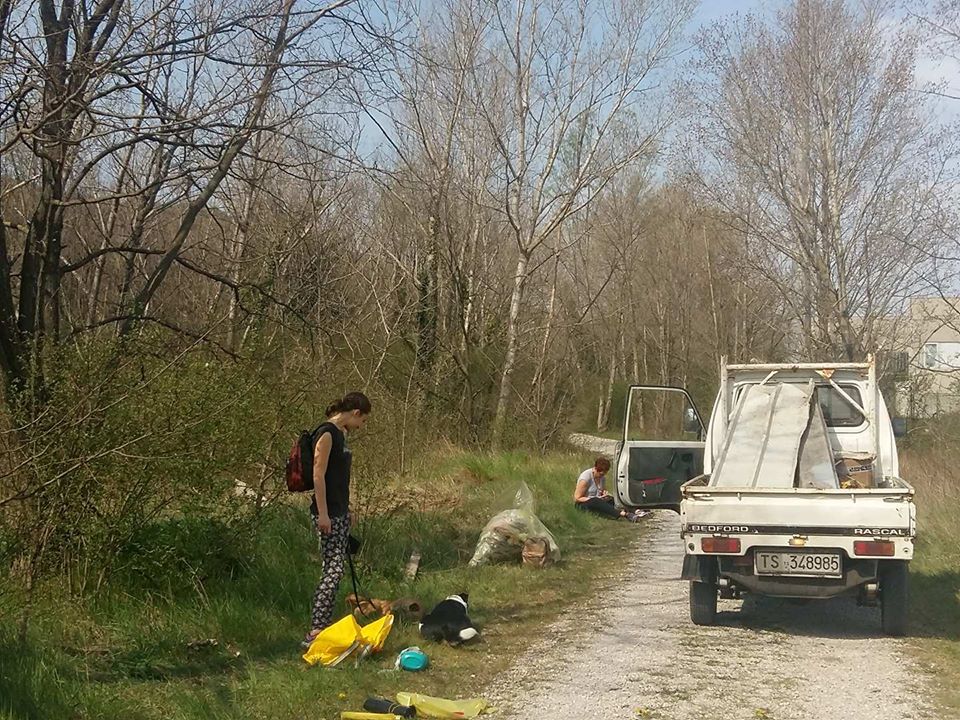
{"x": 894, "y": 591}
{"x": 703, "y": 602}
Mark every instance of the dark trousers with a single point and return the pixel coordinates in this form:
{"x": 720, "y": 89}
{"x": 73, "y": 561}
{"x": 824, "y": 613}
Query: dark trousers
{"x": 600, "y": 507}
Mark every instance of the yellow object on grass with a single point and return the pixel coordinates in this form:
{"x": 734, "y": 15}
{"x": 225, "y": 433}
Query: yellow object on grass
{"x": 346, "y": 638}
{"x": 441, "y": 708}
{"x": 375, "y": 634}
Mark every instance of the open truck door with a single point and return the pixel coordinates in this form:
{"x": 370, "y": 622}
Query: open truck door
{"x": 662, "y": 447}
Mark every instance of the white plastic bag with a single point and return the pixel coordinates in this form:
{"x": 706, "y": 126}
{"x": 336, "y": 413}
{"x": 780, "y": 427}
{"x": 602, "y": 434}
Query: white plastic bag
{"x": 503, "y": 536}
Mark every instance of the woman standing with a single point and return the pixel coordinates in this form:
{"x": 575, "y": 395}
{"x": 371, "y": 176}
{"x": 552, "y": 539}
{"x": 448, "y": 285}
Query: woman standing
{"x": 330, "y": 508}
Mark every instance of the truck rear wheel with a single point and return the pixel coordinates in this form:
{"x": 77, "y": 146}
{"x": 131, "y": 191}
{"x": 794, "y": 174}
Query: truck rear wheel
{"x": 703, "y": 602}
{"x": 894, "y": 593}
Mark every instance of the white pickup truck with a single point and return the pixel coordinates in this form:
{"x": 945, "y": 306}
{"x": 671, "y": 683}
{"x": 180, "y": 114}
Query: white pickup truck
{"x": 793, "y": 489}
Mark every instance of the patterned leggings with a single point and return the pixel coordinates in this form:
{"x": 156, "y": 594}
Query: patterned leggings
{"x": 333, "y": 548}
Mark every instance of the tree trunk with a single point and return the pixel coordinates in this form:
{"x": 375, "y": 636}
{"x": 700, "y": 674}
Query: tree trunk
{"x": 551, "y": 311}
{"x": 510, "y": 356}
{"x": 427, "y": 297}
{"x": 646, "y": 375}
{"x": 604, "y": 420}
{"x": 718, "y": 346}
{"x": 237, "y": 253}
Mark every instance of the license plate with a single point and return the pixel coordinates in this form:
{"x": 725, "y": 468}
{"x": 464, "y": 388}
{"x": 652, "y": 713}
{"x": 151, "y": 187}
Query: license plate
{"x": 796, "y": 563}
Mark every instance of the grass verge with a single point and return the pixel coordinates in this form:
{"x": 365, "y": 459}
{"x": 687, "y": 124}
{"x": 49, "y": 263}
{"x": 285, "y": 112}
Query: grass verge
{"x": 220, "y": 641}
{"x": 935, "y": 572}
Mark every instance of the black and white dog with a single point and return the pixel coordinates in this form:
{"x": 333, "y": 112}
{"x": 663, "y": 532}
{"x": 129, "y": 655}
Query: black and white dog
{"x": 449, "y": 621}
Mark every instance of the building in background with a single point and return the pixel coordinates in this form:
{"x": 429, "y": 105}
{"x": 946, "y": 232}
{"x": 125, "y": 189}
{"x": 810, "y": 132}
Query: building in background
{"x": 924, "y": 357}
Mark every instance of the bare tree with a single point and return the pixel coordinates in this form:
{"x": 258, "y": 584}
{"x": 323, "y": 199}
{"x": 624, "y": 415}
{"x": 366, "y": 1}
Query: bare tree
{"x": 813, "y": 143}
{"x": 136, "y": 114}
{"x": 568, "y": 94}
{"x": 436, "y": 172}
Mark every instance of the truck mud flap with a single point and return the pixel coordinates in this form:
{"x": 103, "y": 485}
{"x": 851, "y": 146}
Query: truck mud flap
{"x": 699, "y": 568}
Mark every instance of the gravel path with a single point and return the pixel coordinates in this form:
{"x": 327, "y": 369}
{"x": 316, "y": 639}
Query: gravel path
{"x": 633, "y": 653}
{"x": 594, "y": 444}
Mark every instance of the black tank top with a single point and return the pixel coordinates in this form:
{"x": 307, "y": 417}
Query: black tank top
{"x": 337, "y": 477}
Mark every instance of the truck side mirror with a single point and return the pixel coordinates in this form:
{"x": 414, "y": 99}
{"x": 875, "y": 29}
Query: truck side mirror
{"x": 899, "y": 425}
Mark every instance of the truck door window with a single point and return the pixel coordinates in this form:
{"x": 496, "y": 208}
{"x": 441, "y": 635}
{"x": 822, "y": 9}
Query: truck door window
{"x": 837, "y": 411}
{"x": 661, "y": 414}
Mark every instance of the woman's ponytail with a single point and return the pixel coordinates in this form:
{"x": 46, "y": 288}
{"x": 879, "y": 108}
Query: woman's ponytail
{"x": 350, "y": 402}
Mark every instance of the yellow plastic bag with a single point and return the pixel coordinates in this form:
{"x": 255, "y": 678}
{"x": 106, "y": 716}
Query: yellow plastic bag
{"x": 335, "y": 643}
{"x": 433, "y": 707}
{"x": 374, "y": 634}
{"x": 345, "y": 637}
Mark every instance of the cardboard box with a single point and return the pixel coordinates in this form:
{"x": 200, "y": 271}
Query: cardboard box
{"x": 855, "y": 470}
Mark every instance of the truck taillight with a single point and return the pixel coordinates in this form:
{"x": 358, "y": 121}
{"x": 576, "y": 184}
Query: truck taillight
{"x": 720, "y": 545}
{"x": 883, "y": 548}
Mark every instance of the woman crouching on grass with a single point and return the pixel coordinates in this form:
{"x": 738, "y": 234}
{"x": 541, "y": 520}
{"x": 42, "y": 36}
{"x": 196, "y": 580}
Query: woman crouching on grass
{"x": 590, "y": 494}
{"x": 331, "y": 500}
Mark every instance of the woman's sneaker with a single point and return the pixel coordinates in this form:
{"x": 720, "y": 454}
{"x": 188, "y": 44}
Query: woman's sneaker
{"x": 309, "y": 638}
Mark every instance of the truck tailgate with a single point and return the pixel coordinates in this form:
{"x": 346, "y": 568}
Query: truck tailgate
{"x": 811, "y": 512}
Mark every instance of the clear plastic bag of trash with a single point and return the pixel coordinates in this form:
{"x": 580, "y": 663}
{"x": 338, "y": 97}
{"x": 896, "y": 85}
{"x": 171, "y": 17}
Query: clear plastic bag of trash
{"x": 503, "y": 536}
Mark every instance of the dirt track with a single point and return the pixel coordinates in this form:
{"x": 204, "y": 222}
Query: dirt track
{"x": 633, "y": 653}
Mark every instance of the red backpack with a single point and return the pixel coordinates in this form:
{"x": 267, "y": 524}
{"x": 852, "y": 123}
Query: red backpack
{"x": 300, "y": 462}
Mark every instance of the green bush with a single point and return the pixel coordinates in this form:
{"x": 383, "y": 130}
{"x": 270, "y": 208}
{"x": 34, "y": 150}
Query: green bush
{"x": 127, "y": 445}
{"x": 171, "y": 554}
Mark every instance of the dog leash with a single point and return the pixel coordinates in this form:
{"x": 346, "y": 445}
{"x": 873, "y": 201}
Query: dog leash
{"x": 356, "y": 590}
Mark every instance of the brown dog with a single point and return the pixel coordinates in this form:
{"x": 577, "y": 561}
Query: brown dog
{"x": 406, "y": 608}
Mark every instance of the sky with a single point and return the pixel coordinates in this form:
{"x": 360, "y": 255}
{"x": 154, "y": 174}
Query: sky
{"x": 936, "y": 70}
{"x": 715, "y": 9}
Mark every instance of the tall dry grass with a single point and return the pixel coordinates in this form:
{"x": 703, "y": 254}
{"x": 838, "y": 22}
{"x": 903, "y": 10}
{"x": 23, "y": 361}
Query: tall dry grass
{"x": 932, "y": 465}
{"x": 934, "y": 470}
